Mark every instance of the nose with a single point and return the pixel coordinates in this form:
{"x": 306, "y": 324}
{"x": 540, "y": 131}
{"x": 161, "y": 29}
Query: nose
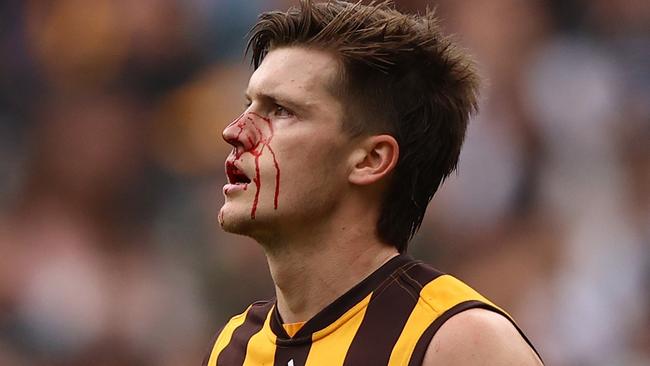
{"x": 235, "y": 135}
{"x": 240, "y": 133}
{"x": 232, "y": 133}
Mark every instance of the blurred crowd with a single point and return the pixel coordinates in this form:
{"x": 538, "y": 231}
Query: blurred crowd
{"x": 111, "y": 168}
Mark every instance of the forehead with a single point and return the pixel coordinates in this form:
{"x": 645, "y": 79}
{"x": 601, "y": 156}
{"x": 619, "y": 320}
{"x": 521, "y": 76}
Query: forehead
{"x": 295, "y": 72}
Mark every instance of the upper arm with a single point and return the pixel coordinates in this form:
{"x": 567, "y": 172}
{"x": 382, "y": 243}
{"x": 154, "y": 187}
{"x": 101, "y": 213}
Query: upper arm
{"x": 479, "y": 337}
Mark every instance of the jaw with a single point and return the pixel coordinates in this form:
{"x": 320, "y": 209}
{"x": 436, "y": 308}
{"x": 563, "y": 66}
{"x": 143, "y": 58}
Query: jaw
{"x": 235, "y": 217}
{"x": 234, "y": 213}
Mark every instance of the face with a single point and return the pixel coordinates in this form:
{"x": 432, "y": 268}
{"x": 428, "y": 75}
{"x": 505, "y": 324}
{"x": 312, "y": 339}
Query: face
{"x": 287, "y": 169}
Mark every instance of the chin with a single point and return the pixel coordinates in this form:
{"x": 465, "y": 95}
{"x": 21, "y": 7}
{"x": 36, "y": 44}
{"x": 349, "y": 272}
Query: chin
{"x": 237, "y": 220}
{"x": 233, "y": 220}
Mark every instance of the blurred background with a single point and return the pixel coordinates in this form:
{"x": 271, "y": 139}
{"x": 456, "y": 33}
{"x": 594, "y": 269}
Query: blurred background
{"x": 111, "y": 168}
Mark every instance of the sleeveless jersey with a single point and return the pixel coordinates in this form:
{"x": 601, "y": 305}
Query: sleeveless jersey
{"x": 387, "y": 319}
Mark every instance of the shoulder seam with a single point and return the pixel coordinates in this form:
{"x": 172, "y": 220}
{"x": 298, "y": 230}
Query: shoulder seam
{"x": 415, "y": 283}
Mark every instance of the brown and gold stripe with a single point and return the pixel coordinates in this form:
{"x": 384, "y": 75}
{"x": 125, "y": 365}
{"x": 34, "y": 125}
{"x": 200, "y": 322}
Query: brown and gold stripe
{"x": 387, "y": 319}
{"x": 232, "y": 345}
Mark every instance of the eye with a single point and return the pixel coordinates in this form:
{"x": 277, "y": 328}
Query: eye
{"x": 281, "y": 111}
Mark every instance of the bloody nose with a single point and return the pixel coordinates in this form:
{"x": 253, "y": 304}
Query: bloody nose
{"x": 232, "y": 133}
{"x": 241, "y": 133}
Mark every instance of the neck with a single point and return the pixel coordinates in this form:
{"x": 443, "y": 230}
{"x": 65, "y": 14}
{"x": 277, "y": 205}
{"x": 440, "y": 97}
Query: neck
{"x": 311, "y": 271}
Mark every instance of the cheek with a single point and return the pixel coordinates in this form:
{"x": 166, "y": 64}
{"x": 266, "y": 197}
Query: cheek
{"x": 310, "y": 164}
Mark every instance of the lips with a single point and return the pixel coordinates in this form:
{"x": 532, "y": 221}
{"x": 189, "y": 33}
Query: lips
{"x": 235, "y": 175}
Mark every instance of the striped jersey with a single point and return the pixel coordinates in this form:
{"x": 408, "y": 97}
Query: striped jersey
{"x": 387, "y": 319}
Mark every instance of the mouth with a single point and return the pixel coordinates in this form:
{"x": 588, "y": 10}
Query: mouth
{"x": 236, "y": 176}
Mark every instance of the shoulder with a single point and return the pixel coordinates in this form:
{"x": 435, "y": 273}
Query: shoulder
{"x": 255, "y": 312}
{"x": 248, "y": 320}
{"x": 479, "y": 336}
{"x": 252, "y": 317}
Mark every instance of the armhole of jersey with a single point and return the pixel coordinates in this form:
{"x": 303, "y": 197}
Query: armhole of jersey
{"x": 423, "y": 343}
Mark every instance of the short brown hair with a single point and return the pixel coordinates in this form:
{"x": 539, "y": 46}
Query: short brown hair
{"x": 400, "y": 75}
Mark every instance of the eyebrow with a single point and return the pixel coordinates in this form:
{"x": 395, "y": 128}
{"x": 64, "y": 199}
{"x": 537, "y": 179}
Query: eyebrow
{"x": 287, "y": 102}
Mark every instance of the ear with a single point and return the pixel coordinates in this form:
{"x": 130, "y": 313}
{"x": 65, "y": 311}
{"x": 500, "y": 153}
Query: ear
{"x": 373, "y": 160}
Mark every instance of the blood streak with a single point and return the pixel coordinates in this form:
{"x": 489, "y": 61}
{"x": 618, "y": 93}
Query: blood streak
{"x": 277, "y": 179}
{"x": 258, "y": 139}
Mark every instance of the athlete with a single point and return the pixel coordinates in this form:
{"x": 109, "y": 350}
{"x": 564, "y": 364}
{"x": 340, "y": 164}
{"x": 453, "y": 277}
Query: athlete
{"x": 355, "y": 115}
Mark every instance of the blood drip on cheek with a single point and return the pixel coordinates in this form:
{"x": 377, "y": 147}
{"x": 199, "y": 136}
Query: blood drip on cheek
{"x": 258, "y": 133}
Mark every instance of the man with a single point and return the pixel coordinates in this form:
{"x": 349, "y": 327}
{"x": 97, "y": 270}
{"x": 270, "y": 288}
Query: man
{"x": 355, "y": 115}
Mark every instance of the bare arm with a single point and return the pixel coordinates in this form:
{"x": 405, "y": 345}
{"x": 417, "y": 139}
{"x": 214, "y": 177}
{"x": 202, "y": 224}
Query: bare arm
{"x": 479, "y": 337}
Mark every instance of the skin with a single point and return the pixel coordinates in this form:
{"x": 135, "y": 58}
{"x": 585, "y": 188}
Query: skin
{"x": 320, "y": 240}
{"x": 479, "y": 337}
{"x": 314, "y": 197}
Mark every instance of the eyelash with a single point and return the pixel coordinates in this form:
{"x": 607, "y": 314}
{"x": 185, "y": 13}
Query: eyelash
{"x": 276, "y": 107}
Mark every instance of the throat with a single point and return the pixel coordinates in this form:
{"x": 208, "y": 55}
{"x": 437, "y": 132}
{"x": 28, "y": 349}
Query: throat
{"x": 307, "y": 284}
